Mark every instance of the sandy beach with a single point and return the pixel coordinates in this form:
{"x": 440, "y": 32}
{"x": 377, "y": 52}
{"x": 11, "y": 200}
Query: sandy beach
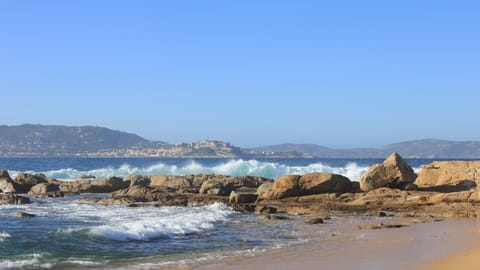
{"x": 467, "y": 259}
{"x": 449, "y": 244}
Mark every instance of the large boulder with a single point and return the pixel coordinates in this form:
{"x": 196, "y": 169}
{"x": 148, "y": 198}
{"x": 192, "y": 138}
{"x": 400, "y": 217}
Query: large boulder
{"x": 286, "y": 186}
{"x": 316, "y": 183}
{"x": 449, "y": 173}
{"x": 24, "y": 181}
{"x": 308, "y": 184}
{"x": 394, "y": 172}
{"x": 6, "y": 183}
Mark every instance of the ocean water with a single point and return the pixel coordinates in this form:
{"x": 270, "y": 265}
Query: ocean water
{"x": 71, "y": 233}
{"x": 73, "y": 168}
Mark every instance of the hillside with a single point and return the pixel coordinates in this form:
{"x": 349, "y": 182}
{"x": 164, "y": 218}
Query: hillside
{"x": 426, "y": 148}
{"x": 50, "y": 140}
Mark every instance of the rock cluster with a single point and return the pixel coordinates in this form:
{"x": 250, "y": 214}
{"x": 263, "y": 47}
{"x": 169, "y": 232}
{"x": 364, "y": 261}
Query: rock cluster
{"x": 444, "y": 189}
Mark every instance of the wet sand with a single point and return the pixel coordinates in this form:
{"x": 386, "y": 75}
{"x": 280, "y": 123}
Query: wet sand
{"x": 469, "y": 259}
{"x": 426, "y": 246}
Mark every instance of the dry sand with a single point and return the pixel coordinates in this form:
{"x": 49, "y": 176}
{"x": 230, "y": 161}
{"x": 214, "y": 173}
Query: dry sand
{"x": 450, "y": 244}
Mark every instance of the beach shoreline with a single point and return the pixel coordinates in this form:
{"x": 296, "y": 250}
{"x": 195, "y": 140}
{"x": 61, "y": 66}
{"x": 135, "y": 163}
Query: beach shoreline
{"x": 422, "y": 246}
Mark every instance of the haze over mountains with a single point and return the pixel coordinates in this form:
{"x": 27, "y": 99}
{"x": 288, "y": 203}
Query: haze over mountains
{"x": 30, "y": 140}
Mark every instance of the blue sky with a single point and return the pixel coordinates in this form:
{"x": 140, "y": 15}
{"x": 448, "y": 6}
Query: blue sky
{"x": 336, "y": 73}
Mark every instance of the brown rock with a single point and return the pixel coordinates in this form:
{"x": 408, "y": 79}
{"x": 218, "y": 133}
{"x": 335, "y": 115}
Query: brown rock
{"x": 45, "y": 189}
{"x": 93, "y": 186}
{"x": 223, "y": 185}
{"x": 308, "y": 184}
{"x": 265, "y": 209}
{"x": 265, "y": 190}
{"x": 315, "y": 183}
{"x": 24, "y": 181}
{"x": 6, "y": 183}
{"x": 171, "y": 181}
{"x": 242, "y": 197}
{"x": 315, "y": 221}
{"x": 13, "y": 199}
{"x": 138, "y": 180}
{"x": 394, "y": 172}
{"x": 449, "y": 173}
{"x": 23, "y": 215}
{"x": 286, "y": 186}
{"x": 410, "y": 187}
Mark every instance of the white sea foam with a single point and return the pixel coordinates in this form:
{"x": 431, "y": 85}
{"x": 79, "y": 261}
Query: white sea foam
{"x": 170, "y": 221}
{"x": 24, "y": 261}
{"x": 233, "y": 167}
{"x": 4, "y": 235}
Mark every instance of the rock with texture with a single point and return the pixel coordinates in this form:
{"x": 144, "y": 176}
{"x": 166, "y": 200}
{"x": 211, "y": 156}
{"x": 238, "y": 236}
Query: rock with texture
{"x": 308, "y": 184}
{"x": 45, "y": 190}
{"x": 242, "y": 197}
{"x": 13, "y": 199}
{"x": 394, "y": 172}
{"x": 23, "y": 215}
{"x": 6, "y": 183}
{"x": 449, "y": 173}
{"x": 24, "y": 181}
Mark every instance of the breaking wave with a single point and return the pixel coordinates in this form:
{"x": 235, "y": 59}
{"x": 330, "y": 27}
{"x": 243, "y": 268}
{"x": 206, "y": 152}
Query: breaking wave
{"x": 233, "y": 167}
{"x": 4, "y": 235}
{"x": 173, "y": 221}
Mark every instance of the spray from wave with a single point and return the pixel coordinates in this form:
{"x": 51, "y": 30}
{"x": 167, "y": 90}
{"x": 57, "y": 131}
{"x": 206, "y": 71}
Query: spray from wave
{"x": 172, "y": 221}
{"x": 233, "y": 167}
{"x": 4, "y": 235}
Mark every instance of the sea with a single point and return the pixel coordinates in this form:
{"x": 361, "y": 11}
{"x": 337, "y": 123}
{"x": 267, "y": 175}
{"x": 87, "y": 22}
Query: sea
{"x": 71, "y": 233}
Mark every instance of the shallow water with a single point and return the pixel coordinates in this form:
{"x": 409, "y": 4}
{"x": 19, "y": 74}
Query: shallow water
{"x": 70, "y": 233}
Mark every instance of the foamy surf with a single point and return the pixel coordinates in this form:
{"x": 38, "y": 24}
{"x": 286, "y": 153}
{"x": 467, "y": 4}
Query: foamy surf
{"x": 236, "y": 167}
{"x": 4, "y": 235}
{"x": 172, "y": 221}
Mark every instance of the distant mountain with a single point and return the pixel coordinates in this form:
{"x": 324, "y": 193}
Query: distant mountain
{"x": 427, "y": 148}
{"x": 50, "y": 140}
{"x": 432, "y": 148}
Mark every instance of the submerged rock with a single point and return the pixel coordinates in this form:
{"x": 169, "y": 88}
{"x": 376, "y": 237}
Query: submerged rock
{"x": 394, "y": 172}
{"x": 265, "y": 209}
{"x": 315, "y": 221}
{"x": 23, "y": 215}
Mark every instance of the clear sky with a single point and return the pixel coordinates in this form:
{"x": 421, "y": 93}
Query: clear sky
{"x": 336, "y": 73}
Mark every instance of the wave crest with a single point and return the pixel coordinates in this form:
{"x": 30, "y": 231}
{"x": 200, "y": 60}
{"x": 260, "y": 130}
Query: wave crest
{"x": 237, "y": 167}
{"x": 171, "y": 223}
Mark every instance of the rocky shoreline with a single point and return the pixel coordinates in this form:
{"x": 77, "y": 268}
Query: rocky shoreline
{"x": 442, "y": 189}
